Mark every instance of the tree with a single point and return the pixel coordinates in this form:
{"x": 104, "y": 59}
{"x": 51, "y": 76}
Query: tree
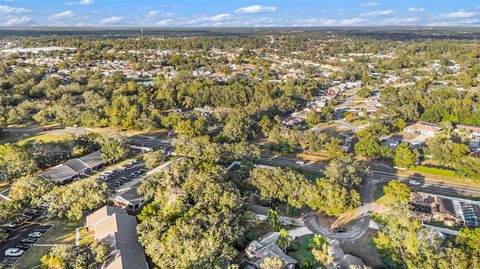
{"x": 281, "y": 184}
{"x": 30, "y": 188}
{"x": 312, "y": 118}
{"x": 273, "y": 219}
{"x": 404, "y": 243}
{"x": 192, "y": 128}
{"x": 445, "y": 151}
{"x": 195, "y": 217}
{"x": 398, "y": 190}
{"x": 369, "y": 146}
{"x": 152, "y": 159}
{"x": 112, "y": 147}
{"x": 87, "y": 256}
{"x": 272, "y": 262}
{"x": 323, "y": 254}
{"x": 239, "y": 126}
{"x": 405, "y": 157}
{"x": 283, "y": 240}
{"x": 15, "y": 161}
{"x": 76, "y": 199}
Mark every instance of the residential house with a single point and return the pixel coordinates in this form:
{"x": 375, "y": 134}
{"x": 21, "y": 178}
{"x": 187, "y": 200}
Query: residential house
{"x": 114, "y": 226}
{"x": 265, "y": 247}
{"x": 472, "y": 132}
{"x": 425, "y": 128}
{"x": 342, "y": 260}
{"x": 434, "y": 208}
{"x": 72, "y": 169}
{"x": 129, "y": 198}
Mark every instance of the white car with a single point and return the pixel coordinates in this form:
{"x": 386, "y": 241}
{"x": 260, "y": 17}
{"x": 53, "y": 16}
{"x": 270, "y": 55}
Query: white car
{"x": 35, "y": 234}
{"x": 13, "y": 252}
{"x": 300, "y": 162}
{"x": 413, "y": 182}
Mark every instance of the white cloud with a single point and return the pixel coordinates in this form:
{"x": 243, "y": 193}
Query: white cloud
{"x": 378, "y": 13}
{"x": 458, "y": 14}
{"x": 464, "y": 22}
{"x": 255, "y": 9}
{"x": 355, "y": 21}
{"x": 153, "y": 13}
{"x": 62, "y": 15}
{"x": 371, "y": 4}
{"x": 157, "y": 13}
{"x": 80, "y": 3}
{"x": 398, "y": 21}
{"x": 163, "y": 22}
{"x": 13, "y": 10}
{"x": 352, "y": 21}
{"x": 113, "y": 19}
{"x": 17, "y": 21}
{"x": 416, "y": 9}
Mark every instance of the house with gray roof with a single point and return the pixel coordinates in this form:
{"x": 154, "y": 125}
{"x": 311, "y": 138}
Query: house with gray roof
{"x": 129, "y": 198}
{"x": 265, "y": 247}
{"x": 72, "y": 169}
{"x": 114, "y": 226}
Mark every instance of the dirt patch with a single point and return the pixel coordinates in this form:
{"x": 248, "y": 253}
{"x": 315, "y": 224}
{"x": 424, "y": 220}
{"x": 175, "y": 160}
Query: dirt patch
{"x": 325, "y": 221}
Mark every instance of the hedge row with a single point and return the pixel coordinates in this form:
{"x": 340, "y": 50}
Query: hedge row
{"x": 435, "y": 171}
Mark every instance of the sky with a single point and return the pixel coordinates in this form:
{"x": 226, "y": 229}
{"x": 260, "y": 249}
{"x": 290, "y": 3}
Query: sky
{"x": 241, "y": 13}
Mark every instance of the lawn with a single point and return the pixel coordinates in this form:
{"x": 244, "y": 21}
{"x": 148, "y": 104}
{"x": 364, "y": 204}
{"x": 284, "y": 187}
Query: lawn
{"x": 31, "y": 258}
{"x": 42, "y": 138}
{"x": 62, "y": 232}
{"x": 300, "y": 250}
{"x": 360, "y": 122}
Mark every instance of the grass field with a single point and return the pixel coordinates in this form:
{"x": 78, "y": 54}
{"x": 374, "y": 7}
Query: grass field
{"x": 42, "y": 138}
{"x": 302, "y": 251}
{"x": 31, "y": 258}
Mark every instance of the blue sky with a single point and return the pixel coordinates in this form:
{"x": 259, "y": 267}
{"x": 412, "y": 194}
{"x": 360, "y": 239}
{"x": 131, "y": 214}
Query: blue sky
{"x": 245, "y": 13}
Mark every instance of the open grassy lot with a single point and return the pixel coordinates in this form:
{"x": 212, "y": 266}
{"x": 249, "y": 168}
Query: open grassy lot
{"x": 300, "y": 250}
{"x": 62, "y": 232}
{"x": 31, "y": 258}
{"x": 42, "y": 138}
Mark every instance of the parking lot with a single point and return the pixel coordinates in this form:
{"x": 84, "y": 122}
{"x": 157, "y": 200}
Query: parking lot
{"x": 122, "y": 176}
{"x": 19, "y": 238}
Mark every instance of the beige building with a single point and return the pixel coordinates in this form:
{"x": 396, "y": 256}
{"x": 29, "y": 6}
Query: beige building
{"x": 114, "y": 226}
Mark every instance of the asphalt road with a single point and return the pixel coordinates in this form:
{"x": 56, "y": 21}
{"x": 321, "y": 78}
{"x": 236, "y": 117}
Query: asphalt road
{"x": 426, "y": 185}
{"x": 17, "y": 235}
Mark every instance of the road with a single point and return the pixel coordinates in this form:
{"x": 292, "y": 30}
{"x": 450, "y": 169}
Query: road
{"x": 377, "y": 175}
{"x": 361, "y": 224}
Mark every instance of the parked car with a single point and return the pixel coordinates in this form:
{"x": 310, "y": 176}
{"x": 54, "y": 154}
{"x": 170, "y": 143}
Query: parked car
{"x": 13, "y": 252}
{"x": 24, "y": 246}
{"x": 134, "y": 161}
{"x": 300, "y": 162}
{"x": 35, "y": 234}
{"x": 28, "y": 240}
{"x": 9, "y": 226}
{"x": 413, "y": 182}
